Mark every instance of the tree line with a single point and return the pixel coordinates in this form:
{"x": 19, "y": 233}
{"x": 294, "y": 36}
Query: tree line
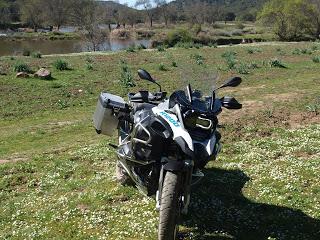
{"x": 289, "y": 19}
{"x": 39, "y": 13}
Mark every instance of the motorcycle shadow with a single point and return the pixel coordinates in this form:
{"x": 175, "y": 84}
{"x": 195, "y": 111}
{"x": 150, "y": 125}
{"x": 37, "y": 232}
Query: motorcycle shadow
{"x": 219, "y": 210}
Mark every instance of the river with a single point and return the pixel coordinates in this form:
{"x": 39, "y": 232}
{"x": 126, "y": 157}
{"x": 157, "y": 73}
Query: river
{"x": 8, "y": 48}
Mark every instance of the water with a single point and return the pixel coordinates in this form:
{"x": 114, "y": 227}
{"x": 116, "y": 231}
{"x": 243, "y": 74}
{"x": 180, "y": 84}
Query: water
{"x": 8, "y": 48}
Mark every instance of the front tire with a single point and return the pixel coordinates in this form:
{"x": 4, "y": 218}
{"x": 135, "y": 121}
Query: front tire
{"x": 170, "y": 207}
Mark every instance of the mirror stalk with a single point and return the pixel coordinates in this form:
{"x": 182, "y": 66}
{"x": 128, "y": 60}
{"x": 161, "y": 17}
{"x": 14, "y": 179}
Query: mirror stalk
{"x": 158, "y": 86}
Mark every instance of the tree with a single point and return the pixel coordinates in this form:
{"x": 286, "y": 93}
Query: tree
{"x": 290, "y": 19}
{"x": 4, "y": 12}
{"x": 163, "y": 9}
{"x": 147, "y": 5}
{"x": 32, "y": 13}
{"x": 315, "y": 31}
{"x": 57, "y": 12}
{"x": 86, "y": 15}
{"x": 196, "y": 12}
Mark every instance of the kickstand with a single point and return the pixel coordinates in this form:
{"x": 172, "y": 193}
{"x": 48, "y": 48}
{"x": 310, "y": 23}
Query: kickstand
{"x": 113, "y": 146}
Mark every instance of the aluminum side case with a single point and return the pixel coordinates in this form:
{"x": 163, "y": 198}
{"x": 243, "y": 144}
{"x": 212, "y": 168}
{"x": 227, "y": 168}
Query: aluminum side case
{"x": 106, "y": 116}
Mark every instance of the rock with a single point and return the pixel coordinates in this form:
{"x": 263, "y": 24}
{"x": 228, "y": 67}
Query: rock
{"x": 22, "y": 75}
{"x": 43, "y": 74}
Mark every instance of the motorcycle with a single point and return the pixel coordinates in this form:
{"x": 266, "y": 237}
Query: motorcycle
{"x": 164, "y": 143}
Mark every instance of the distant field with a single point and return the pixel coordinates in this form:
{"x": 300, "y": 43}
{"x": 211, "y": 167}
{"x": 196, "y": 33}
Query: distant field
{"x": 56, "y": 174}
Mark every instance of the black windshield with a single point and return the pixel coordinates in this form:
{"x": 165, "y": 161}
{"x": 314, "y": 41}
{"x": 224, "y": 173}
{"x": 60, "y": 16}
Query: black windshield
{"x": 198, "y": 104}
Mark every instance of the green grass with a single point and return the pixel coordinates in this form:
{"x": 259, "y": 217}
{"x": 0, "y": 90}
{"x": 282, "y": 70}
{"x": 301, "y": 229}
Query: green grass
{"x": 60, "y": 181}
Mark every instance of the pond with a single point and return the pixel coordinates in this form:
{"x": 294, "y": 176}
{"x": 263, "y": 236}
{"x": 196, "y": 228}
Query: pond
{"x": 8, "y": 48}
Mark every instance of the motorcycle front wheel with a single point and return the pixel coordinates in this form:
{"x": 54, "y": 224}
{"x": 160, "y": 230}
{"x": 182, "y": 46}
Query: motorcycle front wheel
{"x": 170, "y": 207}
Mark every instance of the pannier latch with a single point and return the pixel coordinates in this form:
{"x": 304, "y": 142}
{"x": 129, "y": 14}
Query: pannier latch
{"x": 116, "y": 110}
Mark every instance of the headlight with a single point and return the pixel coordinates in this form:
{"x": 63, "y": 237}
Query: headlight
{"x": 198, "y": 121}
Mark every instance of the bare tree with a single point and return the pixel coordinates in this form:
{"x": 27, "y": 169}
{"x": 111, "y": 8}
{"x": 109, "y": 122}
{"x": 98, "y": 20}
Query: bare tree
{"x": 57, "y": 12}
{"x": 162, "y": 7}
{"x": 196, "y": 12}
{"x": 147, "y": 5}
{"x": 213, "y": 13}
{"x": 87, "y": 16}
{"x": 32, "y": 13}
{"x": 132, "y": 17}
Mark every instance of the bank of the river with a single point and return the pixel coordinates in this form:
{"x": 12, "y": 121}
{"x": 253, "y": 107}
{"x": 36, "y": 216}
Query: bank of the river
{"x": 64, "y": 46}
{"x": 23, "y": 36}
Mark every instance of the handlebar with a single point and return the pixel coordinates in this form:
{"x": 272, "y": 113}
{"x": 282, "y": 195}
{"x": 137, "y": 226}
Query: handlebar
{"x": 147, "y": 97}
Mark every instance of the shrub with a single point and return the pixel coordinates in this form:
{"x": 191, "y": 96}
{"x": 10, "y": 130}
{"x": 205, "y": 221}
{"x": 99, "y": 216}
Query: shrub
{"x": 296, "y": 51}
{"x": 161, "y": 48}
{"x": 229, "y": 54}
{"x": 316, "y": 59}
{"x": 22, "y": 67}
{"x": 230, "y": 58}
{"x": 196, "y": 29}
{"x": 231, "y": 61}
{"x": 185, "y": 45}
{"x": 253, "y": 65}
{"x": 240, "y": 25}
{"x": 214, "y": 45}
{"x": 306, "y": 51}
{"x": 174, "y": 64}
{"x": 26, "y": 52}
{"x": 89, "y": 66}
{"x": 315, "y": 47}
{"x": 243, "y": 68}
{"x": 198, "y": 45}
{"x": 276, "y": 63}
{"x": 314, "y": 107}
{"x": 199, "y": 59}
{"x": 36, "y": 54}
{"x": 253, "y": 50}
{"x": 141, "y": 47}
{"x": 89, "y": 59}
{"x": 131, "y": 49}
{"x": 61, "y": 65}
{"x": 162, "y": 67}
{"x": 126, "y": 77}
{"x": 177, "y": 35}
{"x": 62, "y": 104}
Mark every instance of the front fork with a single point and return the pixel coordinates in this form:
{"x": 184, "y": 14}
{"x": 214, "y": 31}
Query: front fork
{"x": 185, "y": 168}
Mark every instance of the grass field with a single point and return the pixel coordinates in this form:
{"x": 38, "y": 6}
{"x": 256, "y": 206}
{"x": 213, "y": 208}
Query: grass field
{"x": 56, "y": 173}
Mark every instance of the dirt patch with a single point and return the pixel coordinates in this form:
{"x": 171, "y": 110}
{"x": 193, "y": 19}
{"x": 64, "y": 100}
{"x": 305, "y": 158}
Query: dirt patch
{"x": 283, "y": 96}
{"x": 248, "y": 108}
{"x": 13, "y": 160}
{"x": 301, "y": 119}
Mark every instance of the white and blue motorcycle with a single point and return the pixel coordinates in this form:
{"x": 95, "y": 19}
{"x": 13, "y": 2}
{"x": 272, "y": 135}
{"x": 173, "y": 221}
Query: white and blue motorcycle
{"x": 164, "y": 143}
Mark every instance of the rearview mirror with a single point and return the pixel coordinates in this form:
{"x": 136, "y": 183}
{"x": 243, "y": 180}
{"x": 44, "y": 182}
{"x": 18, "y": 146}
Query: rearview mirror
{"x": 230, "y": 103}
{"x": 233, "y": 82}
{"x": 143, "y": 74}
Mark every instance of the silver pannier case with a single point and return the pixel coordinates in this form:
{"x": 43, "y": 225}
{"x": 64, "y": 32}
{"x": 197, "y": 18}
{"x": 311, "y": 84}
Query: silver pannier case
{"x": 109, "y": 109}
